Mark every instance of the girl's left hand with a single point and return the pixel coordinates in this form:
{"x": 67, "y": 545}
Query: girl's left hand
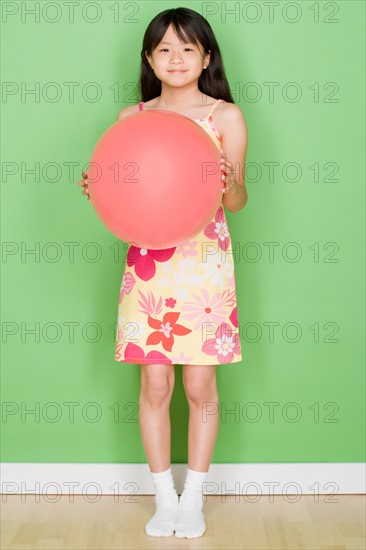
{"x": 228, "y": 175}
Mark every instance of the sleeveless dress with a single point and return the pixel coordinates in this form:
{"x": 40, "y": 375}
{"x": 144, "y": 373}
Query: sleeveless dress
{"x": 178, "y": 306}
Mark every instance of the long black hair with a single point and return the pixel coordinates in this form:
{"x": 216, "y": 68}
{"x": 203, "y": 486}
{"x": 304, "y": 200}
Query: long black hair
{"x": 191, "y": 24}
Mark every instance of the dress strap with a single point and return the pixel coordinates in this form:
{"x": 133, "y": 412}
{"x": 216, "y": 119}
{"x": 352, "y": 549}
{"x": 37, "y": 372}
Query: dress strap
{"x": 141, "y": 106}
{"x": 214, "y": 105}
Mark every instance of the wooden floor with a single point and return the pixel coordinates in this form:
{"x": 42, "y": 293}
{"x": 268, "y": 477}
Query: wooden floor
{"x": 104, "y": 522}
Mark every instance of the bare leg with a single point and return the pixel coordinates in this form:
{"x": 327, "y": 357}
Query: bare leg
{"x": 157, "y": 384}
{"x": 202, "y": 395}
{"x": 201, "y": 391}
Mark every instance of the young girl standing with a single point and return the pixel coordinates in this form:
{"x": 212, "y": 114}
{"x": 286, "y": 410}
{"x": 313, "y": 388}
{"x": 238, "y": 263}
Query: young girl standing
{"x": 178, "y": 305}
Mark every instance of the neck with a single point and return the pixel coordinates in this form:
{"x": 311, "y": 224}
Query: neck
{"x": 172, "y": 98}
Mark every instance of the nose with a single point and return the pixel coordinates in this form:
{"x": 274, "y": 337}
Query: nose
{"x": 175, "y": 57}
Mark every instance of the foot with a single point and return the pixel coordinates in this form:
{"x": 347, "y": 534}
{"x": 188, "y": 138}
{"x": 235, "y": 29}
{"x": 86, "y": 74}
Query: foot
{"x": 162, "y": 523}
{"x": 190, "y": 522}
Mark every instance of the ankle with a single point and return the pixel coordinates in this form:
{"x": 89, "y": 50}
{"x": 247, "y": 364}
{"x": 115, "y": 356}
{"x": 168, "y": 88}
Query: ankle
{"x": 192, "y": 496}
{"x": 165, "y": 492}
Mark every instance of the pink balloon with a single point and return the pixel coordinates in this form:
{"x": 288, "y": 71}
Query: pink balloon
{"x": 155, "y": 179}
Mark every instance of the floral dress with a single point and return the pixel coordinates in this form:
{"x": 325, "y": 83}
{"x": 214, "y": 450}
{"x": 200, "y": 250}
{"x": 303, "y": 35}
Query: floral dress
{"x": 178, "y": 305}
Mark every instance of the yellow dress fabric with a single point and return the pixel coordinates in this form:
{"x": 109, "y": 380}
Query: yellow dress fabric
{"x": 178, "y": 305}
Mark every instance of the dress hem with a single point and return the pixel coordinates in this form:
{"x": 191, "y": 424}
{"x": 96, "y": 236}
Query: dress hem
{"x": 142, "y": 362}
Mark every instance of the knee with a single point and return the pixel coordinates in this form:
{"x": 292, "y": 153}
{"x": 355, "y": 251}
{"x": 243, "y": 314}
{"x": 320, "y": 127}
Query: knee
{"x": 198, "y": 390}
{"x": 157, "y": 388}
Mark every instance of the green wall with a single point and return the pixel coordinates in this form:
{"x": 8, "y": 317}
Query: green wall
{"x": 298, "y": 394}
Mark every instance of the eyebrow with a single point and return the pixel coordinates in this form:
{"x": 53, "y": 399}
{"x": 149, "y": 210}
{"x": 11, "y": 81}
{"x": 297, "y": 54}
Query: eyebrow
{"x": 191, "y": 43}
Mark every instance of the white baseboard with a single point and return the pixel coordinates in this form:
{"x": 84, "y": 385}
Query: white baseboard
{"x": 316, "y": 478}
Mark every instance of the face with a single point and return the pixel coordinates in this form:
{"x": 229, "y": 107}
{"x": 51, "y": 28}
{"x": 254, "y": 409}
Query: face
{"x": 175, "y": 62}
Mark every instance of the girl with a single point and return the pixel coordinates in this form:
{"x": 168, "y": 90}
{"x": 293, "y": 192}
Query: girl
{"x": 178, "y": 305}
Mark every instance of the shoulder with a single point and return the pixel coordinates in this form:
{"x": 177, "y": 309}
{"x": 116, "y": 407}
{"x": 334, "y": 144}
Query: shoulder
{"x": 230, "y": 113}
{"x": 128, "y": 111}
{"x": 230, "y": 118}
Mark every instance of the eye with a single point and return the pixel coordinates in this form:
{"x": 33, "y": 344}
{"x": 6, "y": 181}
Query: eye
{"x": 166, "y": 49}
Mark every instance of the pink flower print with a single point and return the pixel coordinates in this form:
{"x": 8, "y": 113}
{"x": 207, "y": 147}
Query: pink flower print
{"x": 165, "y": 330}
{"x": 170, "y": 302}
{"x": 205, "y": 309}
{"x": 229, "y": 296}
{"x": 128, "y": 282}
{"x": 182, "y": 359}
{"x": 224, "y": 345}
{"x": 118, "y": 355}
{"x": 190, "y": 246}
{"x": 120, "y": 333}
{"x": 218, "y": 230}
{"x": 234, "y": 317}
{"x": 144, "y": 259}
{"x": 135, "y": 354}
{"x": 150, "y": 305}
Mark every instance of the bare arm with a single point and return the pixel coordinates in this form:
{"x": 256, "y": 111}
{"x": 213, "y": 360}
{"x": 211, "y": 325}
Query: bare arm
{"x": 234, "y": 144}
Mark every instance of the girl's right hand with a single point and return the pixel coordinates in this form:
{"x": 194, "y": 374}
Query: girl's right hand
{"x": 84, "y": 183}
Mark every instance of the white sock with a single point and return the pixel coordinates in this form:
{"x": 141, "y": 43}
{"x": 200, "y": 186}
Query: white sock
{"x": 190, "y": 519}
{"x": 162, "y": 522}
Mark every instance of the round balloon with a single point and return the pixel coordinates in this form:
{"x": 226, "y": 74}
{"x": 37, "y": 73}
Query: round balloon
{"x": 154, "y": 179}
